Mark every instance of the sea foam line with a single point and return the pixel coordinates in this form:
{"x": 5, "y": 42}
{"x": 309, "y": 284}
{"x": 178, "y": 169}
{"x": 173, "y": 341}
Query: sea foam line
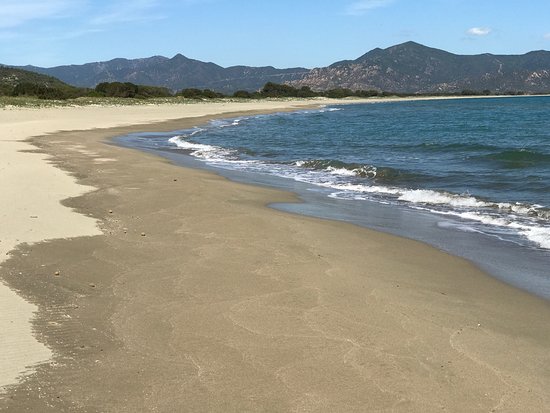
{"x": 513, "y": 216}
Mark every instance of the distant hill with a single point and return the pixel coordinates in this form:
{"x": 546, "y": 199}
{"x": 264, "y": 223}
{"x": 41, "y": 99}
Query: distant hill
{"x": 413, "y": 68}
{"x": 176, "y": 73}
{"x": 18, "y": 81}
{"x": 405, "y": 68}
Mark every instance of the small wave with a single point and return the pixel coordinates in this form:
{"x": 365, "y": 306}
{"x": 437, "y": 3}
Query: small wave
{"x": 188, "y": 134}
{"x": 534, "y": 211}
{"x": 206, "y": 152}
{"x": 321, "y": 109}
{"x": 430, "y": 197}
{"x": 366, "y": 189}
{"x": 458, "y": 226}
{"x": 236, "y": 122}
{"x": 537, "y": 234}
{"x": 519, "y": 158}
{"x": 339, "y": 168}
{"x": 425, "y": 196}
{"x": 226, "y": 123}
{"x": 529, "y": 221}
{"x": 449, "y": 147}
{"x": 540, "y": 236}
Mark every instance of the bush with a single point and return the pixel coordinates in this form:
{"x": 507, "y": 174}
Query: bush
{"x": 366, "y": 93}
{"x": 244, "y": 94}
{"x": 210, "y": 94}
{"x": 129, "y": 90}
{"x": 193, "y": 93}
{"x": 153, "y": 91}
{"x": 42, "y": 91}
{"x": 338, "y": 93}
{"x": 306, "y": 92}
{"x": 275, "y": 90}
{"x": 469, "y": 92}
{"x": 117, "y": 89}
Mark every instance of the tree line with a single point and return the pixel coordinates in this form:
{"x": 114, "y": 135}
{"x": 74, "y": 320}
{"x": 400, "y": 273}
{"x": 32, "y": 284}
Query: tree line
{"x": 276, "y": 90}
{"x": 131, "y": 90}
{"x": 106, "y": 89}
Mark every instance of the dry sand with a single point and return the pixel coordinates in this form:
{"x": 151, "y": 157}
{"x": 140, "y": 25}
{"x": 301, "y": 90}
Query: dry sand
{"x": 197, "y": 297}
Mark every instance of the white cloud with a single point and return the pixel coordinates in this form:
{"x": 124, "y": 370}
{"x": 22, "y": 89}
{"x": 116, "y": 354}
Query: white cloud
{"x": 547, "y": 36}
{"x": 478, "y": 31}
{"x": 124, "y": 11}
{"x": 14, "y": 13}
{"x": 361, "y": 7}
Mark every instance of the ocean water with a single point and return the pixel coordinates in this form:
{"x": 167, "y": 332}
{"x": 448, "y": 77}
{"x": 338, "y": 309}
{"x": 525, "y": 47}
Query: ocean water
{"x": 469, "y": 176}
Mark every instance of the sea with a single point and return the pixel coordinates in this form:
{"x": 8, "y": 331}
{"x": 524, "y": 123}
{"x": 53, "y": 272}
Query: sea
{"x": 468, "y": 176}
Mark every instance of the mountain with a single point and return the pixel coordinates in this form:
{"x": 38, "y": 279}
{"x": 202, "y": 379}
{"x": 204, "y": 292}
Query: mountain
{"x": 405, "y": 68}
{"x": 176, "y": 73}
{"x": 413, "y": 68}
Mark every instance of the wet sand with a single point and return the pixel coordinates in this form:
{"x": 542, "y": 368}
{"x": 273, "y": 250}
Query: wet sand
{"x": 31, "y": 191}
{"x": 198, "y": 297}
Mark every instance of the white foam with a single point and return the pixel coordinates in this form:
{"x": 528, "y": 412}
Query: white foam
{"x": 194, "y": 131}
{"x": 222, "y": 124}
{"x": 454, "y": 225}
{"x": 206, "y": 152}
{"x": 540, "y": 236}
{"x": 518, "y": 208}
{"x": 183, "y": 144}
{"x": 486, "y": 219}
{"x": 342, "y": 171}
{"x": 362, "y": 188}
{"x": 440, "y": 198}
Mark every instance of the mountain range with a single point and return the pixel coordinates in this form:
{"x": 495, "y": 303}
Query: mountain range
{"x": 405, "y": 68}
{"x": 176, "y": 73}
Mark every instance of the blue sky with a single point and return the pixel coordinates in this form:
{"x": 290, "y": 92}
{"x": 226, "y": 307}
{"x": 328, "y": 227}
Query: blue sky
{"x": 281, "y": 33}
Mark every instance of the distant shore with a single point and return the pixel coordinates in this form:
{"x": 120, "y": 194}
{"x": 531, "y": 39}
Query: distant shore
{"x": 174, "y": 289}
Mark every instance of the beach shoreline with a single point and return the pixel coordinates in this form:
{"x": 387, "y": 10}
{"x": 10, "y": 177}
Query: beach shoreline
{"x": 259, "y": 320}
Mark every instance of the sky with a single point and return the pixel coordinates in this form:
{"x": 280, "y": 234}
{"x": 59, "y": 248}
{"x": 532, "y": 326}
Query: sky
{"x": 280, "y": 33}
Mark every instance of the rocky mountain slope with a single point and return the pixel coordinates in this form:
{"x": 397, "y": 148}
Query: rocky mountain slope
{"x": 414, "y": 68}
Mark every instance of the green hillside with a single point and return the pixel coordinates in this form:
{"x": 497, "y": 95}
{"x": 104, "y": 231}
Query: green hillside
{"x": 18, "y": 82}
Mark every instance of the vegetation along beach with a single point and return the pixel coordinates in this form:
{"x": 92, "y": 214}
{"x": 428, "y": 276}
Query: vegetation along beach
{"x": 277, "y": 231}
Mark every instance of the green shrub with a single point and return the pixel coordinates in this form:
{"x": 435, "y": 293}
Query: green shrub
{"x": 193, "y": 93}
{"x": 244, "y": 94}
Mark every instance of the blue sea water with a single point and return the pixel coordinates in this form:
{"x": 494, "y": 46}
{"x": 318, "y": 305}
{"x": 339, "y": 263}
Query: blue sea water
{"x": 470, "y": 176}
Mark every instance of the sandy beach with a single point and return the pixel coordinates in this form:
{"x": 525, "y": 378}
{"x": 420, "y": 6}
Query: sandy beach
{"x": 32, "y": 190}
{"x": 145, "y": 286}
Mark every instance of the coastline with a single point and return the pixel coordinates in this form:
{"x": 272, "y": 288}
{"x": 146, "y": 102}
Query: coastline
{"x": 319, "y": 315}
